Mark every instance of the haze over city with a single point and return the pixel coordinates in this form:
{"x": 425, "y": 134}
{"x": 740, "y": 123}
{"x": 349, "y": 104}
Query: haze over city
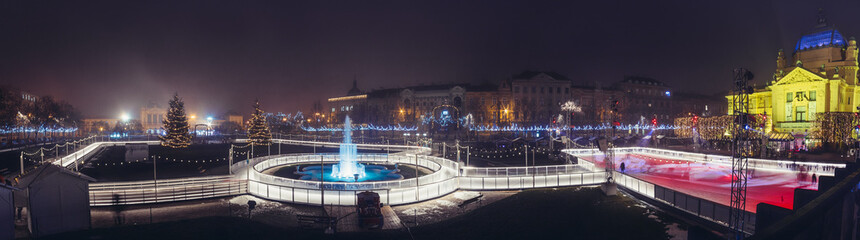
{"x": 221, "y": 55}
{"x": 378, "y": 119}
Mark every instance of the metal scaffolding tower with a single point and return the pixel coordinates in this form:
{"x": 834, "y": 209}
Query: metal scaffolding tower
{"x": 742, "y": 149}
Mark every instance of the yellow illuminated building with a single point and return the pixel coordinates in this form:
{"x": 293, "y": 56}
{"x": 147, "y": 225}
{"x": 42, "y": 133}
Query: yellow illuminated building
{"x": 822, "y": 77}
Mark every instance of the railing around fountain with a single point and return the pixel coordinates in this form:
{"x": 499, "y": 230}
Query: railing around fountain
{"x": 395, "y": 149}
{"x": 439, "y": 183}
{"x": 439, "y": 173}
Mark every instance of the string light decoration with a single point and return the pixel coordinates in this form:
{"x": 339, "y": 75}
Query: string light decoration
{"x": 834, "y": 127}
{"x": 713, "y": 128}
{"x": 176, "y": 125}
{"x": 258, "y": 129}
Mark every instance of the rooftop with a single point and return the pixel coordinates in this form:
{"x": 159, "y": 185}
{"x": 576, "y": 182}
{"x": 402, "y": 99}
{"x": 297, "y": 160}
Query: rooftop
{"x": 824, "y": 35}
{"x": 828, "y": 37}
{"x": 532, "y": 74}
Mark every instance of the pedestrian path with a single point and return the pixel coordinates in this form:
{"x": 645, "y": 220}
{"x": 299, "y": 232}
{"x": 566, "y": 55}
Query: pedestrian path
{"x": 348, "y": 219}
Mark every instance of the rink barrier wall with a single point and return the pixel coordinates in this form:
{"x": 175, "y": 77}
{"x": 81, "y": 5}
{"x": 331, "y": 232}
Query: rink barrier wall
{"x": 823, "y": 169}
{"x": 705, "y": 209}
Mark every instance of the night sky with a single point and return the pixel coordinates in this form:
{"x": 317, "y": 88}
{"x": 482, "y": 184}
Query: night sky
{"x": 113, "y": 56}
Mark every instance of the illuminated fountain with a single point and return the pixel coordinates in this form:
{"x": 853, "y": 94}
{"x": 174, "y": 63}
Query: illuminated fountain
{"x": 348, "y": 167}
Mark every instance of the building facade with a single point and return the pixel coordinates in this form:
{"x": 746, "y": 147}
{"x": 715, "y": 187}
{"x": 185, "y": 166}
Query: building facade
{"x": 525, "y": 99}
{"x": 152, "y": 118}
{"x": 820, "y": 77}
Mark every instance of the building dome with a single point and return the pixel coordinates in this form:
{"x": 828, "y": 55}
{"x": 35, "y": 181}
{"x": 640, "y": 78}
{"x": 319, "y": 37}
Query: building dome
{"x": 828, "y": 37}
{"x": 354, "y": 90}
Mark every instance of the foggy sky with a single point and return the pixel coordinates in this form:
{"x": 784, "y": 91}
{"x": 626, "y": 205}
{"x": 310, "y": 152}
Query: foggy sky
{"x": 106, "y": 57}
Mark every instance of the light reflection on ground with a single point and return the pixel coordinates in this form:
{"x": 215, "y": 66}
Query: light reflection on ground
{"x": 713, "y": 181}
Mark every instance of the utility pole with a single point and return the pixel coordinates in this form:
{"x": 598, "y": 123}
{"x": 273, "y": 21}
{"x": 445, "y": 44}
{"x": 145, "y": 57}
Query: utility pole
{"x": 527, "y": 156}
{"x": 467, "y": 155}
{"x": 322, "y": 184}
{"x": 417, "y": 185}
{"x": 458, "y": 151}
{"x": 155, "y": 185}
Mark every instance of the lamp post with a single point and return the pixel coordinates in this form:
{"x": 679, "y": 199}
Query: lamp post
{"x": 322, "y": 183}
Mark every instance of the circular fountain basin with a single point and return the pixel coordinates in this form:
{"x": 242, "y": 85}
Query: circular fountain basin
{"x": 371, "y": 173}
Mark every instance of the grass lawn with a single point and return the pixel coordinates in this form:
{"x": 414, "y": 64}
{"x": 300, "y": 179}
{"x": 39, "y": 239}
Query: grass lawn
{"x": 566, "y": 213}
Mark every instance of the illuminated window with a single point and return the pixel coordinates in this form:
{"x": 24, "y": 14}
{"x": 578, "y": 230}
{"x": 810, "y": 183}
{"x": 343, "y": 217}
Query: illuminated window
{"x": 788, "y": 97}
{"x": 811, "y": 95}
{"x": 800, "y": 114}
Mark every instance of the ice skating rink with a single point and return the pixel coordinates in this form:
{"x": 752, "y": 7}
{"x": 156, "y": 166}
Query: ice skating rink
{"x": 713, "y": 181}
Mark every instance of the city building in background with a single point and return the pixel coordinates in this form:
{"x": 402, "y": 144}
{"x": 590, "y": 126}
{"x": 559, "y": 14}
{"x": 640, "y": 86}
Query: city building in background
{"x": 820, "y": 77}
{"x": 525, "y": 99}
{"x": 152, "y": 118}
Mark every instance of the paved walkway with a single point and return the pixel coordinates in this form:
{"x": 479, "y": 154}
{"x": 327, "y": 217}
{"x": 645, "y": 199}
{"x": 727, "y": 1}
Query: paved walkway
{"x": 348, "y": 219}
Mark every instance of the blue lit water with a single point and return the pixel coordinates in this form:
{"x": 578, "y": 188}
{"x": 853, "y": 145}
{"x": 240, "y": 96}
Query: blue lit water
{"x": 348, "y": 167}
{"x": 371, "y": 173}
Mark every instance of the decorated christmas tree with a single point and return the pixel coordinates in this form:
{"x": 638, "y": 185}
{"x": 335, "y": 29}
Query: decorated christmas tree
{"x": 258, "y": 130}
{"x": 176, "y": 125}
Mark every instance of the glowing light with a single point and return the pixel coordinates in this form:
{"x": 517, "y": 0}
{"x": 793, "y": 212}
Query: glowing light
{"x": 571, "y": 106}
{"x": 348, "y": 167}
{"x": 516, "y": 128}
{"x": 125, "y": 117}
{"x": 37, "y": 129}
{"x": 362, "y": 128}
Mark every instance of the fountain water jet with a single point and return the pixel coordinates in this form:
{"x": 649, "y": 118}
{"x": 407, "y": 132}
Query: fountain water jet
{"x": 348, "y": 167}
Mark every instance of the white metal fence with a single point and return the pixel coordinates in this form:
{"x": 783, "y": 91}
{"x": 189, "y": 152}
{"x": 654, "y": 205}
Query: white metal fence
{"x": 171, "y": 190}
{"x": 522, "y": 182}
{"x": 520, "y": 171}
{"x": 439, "y": 183}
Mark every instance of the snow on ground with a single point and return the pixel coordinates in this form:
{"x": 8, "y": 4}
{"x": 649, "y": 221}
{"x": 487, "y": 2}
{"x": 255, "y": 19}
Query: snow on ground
{"x": 465, "y": 195}
{"x": 676, "y": 232}
{"x": 446, "y": 203}
{"x": 263, "y": 206}
{"x": 673, "y": 229}
{"x": 446, "y": 207}
{"x": 243, "y": 200}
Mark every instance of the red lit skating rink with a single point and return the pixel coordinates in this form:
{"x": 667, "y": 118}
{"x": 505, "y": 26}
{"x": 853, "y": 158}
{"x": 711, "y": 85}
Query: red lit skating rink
{"x": 712, "y": 181}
